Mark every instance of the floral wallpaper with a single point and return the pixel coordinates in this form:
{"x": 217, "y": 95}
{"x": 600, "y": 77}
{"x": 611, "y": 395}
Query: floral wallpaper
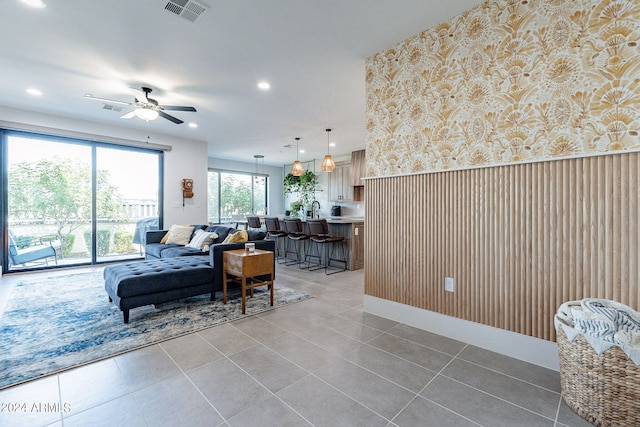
{"x": 505, "y": 82}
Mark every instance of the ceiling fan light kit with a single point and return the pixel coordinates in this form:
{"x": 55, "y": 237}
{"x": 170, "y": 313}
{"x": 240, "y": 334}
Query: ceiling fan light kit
{"x": 146, "y": 114}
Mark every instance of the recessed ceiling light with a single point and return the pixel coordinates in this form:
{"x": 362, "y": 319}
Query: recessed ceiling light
{"x": 193, "y": 125}
{"x": 302, "y": 151}
{"x": 34, "y": 92}
{"x": 37, "y": 4}
{"x": 264, "y": 86}
{"x": 333, "y": 144}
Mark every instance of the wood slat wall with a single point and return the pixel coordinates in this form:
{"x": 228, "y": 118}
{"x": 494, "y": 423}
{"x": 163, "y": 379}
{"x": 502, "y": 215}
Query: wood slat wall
{"x": 518, "y": 239}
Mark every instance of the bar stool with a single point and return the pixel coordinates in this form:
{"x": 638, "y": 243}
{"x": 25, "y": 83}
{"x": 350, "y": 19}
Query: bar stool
{"x": 254, "y": 222}
{"x": 295, "y": 237}
{"x": 319, "y": 231}
{"x": 275, "y": 232}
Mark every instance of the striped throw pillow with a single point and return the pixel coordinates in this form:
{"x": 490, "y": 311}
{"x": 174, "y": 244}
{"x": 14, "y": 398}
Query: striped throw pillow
{"x": 201, "y": 239}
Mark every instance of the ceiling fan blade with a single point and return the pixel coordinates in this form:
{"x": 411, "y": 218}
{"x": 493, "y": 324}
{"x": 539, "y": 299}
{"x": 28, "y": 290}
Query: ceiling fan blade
{"x": 177, "y": 108}
{"x": 110, "y": 101}
{"x": 140, "y": 95}
{"x": 129, "y": 115}
{"x": 168, "y": 117}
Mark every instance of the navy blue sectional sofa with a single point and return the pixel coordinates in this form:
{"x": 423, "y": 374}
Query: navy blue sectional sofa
{"x": 171, "y": 272}
{"x": 155, "y": 250}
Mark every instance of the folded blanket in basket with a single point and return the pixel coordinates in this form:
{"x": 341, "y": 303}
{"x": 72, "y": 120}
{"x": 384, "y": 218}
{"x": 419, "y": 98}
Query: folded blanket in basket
{"x": 603, "y": 323}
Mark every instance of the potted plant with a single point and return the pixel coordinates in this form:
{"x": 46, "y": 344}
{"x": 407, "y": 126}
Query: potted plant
{"x": 290, "y": 184}
{"x": 295, "y": 207}
{"x": 307, "y": 188}
{"x": 304, "y": 185}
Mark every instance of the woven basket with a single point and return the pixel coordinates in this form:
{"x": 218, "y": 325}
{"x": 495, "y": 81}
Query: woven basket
{"x": 602, "y": 388}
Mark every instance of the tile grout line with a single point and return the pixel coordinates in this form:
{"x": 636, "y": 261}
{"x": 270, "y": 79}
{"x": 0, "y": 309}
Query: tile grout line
{"x": 129, "y": 391}
{"x": 497, "y": 397}
{"x": 267, "y": 389}
{"x": 184, "y": 374}
{"x": 312, "y": 373}
{"x": 474, "y": 363}
{"x": 347, "y": 360}
{"x": 439, "y": 373}
{"x": 243, "y": 370}
{"x": 60, "y": 399}
{"x": 492, "y": 395}
{"x": 362, "y": 367}
{"x": 508, "y": 375}
{"x": 556, "y": 422}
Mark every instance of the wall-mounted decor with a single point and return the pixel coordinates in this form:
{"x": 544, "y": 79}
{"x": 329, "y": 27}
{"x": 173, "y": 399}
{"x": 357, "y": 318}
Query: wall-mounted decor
{"x": 187, "y": 188}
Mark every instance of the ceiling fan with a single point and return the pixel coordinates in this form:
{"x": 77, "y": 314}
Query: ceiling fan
{"x": 146, "y": 108}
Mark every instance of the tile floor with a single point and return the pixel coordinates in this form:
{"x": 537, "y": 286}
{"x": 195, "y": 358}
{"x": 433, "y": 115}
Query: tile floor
{"x": 321, "y": 362}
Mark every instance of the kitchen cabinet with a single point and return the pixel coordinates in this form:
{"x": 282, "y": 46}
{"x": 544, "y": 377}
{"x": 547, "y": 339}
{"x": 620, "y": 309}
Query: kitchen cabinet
{"x": 358, "y": 167}
{"x": 358, "y": 171}
{"x": 340, "y": 188}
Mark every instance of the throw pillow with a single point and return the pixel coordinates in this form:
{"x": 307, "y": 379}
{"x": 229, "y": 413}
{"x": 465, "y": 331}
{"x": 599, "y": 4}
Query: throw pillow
{"x": 166, "y": 235}
{"x": 239, "y": 237}
{"x": 179, "y": 234}
{"x": 201, "y": 239}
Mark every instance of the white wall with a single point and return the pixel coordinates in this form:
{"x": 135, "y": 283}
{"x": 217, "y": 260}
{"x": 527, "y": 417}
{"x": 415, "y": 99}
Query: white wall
{"x": 186, "y": 159}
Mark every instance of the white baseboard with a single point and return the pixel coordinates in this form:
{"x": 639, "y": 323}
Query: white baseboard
{"x": 529, "y": 349}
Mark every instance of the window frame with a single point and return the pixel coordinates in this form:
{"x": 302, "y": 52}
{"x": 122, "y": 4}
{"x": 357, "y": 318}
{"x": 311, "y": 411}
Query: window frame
{"x": 252, "y": 175}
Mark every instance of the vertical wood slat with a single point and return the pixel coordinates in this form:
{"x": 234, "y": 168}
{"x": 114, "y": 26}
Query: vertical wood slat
{"x": 518, "y": 239}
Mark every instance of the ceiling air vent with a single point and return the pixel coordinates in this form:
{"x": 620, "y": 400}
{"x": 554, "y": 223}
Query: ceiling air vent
{"x": 188, "y": 9}
{"x": 111, "y": 107}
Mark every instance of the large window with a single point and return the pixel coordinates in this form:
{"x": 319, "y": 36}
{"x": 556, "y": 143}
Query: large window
{"x": 75, "y": 202}
{"x": 233, "y": 195}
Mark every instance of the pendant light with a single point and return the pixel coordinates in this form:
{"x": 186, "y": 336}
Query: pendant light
{"x": 258, "y": 178}
{"x": 296, "y": 168}
{"x": 328, "y": 165}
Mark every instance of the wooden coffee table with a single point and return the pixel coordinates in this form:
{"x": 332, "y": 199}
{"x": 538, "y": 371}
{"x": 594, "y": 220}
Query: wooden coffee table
{"x": 244, "y": 267}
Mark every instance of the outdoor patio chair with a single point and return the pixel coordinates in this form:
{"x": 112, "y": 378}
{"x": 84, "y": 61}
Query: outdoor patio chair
{"x": 41, "y": 251}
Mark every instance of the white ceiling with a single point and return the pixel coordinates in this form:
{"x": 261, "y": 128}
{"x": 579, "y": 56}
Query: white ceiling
{"x": 311, "y": 51}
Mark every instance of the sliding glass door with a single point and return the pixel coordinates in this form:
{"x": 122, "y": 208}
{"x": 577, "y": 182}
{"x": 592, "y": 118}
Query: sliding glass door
{"x": 126, "y": 201}
{"x": 74, "y": 202}
{"x": 49, "y": 202}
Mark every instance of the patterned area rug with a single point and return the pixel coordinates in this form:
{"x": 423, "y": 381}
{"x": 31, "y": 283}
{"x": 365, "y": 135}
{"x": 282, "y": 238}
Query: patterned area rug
{"x": 57, "y": 323}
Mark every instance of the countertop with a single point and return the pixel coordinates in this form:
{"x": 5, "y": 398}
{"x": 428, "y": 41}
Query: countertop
{"x": 345, "y": 220}
{"x": 340, "y": 219}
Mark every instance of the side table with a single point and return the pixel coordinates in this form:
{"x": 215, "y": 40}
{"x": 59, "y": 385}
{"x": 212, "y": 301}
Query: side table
{"x": 245, "y": 267}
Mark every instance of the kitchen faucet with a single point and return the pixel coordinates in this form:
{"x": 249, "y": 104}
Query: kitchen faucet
{"x": 315, "y": 209}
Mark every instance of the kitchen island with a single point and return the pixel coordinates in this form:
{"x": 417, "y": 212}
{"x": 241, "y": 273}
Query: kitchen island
{"x": 349, "y": 227}
{"x": 352, "y": 229}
